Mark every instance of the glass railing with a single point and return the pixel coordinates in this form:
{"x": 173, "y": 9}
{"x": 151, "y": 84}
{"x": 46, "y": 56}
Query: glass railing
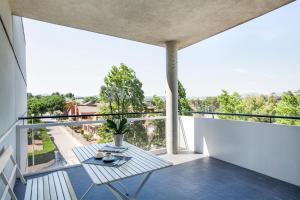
{"x": 50, "y": 144}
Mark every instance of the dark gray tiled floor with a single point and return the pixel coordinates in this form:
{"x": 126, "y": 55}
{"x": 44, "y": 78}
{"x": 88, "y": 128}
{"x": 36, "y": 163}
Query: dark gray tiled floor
{"x": 205, "y": 179}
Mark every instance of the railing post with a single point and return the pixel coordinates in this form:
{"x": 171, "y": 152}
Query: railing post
{"x": 32, "y": 143}
{"x": 21, "y": 150}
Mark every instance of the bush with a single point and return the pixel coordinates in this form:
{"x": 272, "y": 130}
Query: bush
{"x": 88, "y": 137}
{"x": 45, "y": 155}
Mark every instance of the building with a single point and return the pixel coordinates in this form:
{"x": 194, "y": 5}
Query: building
{"x": 84, "y": 108}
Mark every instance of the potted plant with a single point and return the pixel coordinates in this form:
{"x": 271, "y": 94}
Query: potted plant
{"x": 118, "y": 127}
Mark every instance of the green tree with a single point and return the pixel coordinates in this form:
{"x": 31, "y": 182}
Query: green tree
{"x": 230, "y": 104}
{"x": 55, "y": 94}
{"x": 55, "y": 103}
{"x": 158, "y": 134}
{"x": 183, "y": 103}
{"x": 70, "y": 95}
{"x": 255, "y": 105}
{"x": 158, "y": 103}
{"x": 122, "y": 91}
{"x": 270, "y": 106}
{"x": 92, "y": 99}
{"x": 36, "y": 106}
{"x": 287, "y": 106}
{"x": 209, "y": 104}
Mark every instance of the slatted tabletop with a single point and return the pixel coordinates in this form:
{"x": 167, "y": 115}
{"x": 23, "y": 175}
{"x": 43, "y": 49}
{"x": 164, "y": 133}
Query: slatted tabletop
{"x": 141, "y": 162}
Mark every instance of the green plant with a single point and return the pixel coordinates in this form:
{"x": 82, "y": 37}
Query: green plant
{"x": 118, "y": 126}
{"x": 104, "y": 135}
{"x": 47, "y": 153}
{"x": 88, "y": 137}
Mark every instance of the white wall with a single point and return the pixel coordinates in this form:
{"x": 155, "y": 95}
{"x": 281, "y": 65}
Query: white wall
{"x": 269, "y": 149}
{"x": 13, "y": 100}
{"x": 186, "y": 133}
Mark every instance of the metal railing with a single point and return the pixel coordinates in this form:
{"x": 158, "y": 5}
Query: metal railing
{"x": 137, "y": 117}
{"x": 35, "y": 129}
{"x": 88, "y": 115}
{"x": 270, "y": 117}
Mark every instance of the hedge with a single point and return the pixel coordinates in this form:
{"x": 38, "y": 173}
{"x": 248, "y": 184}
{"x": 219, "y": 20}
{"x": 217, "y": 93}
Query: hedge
{"x": 45, "y": 155}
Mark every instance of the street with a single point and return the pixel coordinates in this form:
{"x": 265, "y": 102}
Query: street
{"x": 65, "y": 142}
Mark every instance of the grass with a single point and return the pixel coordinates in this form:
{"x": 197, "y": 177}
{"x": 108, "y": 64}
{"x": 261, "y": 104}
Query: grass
{"x": 45, "y": 155}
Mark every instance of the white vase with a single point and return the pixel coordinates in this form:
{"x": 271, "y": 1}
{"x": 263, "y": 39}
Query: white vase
{"x": 118, "y": 139}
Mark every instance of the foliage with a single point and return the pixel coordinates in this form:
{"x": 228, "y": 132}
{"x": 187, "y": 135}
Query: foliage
{"x": 38, "y": 105}
{"x": 208, "y": 104}
{"x": 230, "y": 104}
{"x": 183, "y": 104}
{"x": 92, "y": 99}
{"x": 104, "y": 135}
{"x": 70, "y": 95}
{"x": 118, "y": 126}
{"x": 122, "y": 91}
{"x": 87, "y": 137}
{"x": 47, "y": 153}
{"x": 158, "y": 103}
{"x": 288, "y": 106}
{"x": 55, "y": 103}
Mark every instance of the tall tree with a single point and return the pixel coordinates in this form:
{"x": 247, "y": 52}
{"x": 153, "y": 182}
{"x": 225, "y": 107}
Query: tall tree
{"x": 122, "y": 91}
{"x": 254, "y": 105}
{"x": 91, "y": 99}
{"x": 183, "y": 103}
{"x": 70, "y": 95}
{"x": 230, "y": 104}
{"x": 209, "y": 104}
{"x": 158, "y": 103}
{"x": 270, "y": 106}
{"x": 36, "y": 106}
{"x": 55, "y": 103}
{"x": 287, "y": 106}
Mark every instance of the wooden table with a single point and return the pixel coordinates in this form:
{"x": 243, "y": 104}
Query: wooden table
{"x": 141, "y": 163}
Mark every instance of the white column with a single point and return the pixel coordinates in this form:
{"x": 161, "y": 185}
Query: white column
{"x": 171, "y": 98}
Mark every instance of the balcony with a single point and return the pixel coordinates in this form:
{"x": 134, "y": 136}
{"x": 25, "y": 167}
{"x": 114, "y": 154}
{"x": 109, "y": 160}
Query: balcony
{"x": 235, "y": 160}
{"x": 205, "y": 178}
{"x": 218, "y": 159}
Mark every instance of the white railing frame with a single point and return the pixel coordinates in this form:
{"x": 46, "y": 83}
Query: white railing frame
{"x": 75, "y": 123}
{"x": 78, "y": 123}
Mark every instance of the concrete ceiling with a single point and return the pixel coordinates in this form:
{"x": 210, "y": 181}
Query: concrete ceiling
{"x": 148, "y": 21}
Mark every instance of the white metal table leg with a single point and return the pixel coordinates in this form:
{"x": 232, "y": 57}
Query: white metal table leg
{"x": 88, "y": 190}
{"x": 117, "y": 193}
{"x": 145, "y": 179}
{"x": 124, "y": 187}
{"x": 121, "y": 196}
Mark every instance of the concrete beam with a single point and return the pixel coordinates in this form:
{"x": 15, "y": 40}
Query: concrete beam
{"x": 171, "y": 98}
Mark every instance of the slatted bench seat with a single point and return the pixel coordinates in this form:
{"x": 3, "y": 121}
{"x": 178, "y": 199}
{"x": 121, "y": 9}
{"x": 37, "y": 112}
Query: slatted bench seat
{"x": 53, "y": 186}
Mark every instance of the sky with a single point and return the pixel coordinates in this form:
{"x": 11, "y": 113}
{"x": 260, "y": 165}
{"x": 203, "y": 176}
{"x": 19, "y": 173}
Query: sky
{"x": 260, "y": 56}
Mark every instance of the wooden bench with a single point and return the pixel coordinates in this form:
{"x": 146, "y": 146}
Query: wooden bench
{"x": 53, "y": 186}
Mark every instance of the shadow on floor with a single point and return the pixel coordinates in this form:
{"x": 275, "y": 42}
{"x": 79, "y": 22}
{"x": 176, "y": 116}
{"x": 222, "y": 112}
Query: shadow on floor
{"x": 203, "y": 179}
